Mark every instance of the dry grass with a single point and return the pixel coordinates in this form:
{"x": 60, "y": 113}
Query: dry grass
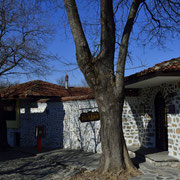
{"x": 93, "y": 175}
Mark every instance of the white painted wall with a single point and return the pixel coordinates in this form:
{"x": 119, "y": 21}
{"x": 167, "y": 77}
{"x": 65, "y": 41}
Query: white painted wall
{"x": 77, "y": 135}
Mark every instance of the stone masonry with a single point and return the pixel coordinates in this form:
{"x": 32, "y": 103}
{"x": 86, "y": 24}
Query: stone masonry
{"x": 77, "y": 135}
{"x": 138, "y": 121}
{"x": 139, "y": 117}
{"x": 49, "y": 114}
{"x": 64, "y": 129}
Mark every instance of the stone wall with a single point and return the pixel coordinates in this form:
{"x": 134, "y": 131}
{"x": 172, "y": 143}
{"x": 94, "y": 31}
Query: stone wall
{"x": 78, "y": 135}
{"x": 11, "y": 136}
{"x": 171, "y": 94}
{"x": 173, "y": 99}
{"x": 64, "y": 129}
{"x": 130, "y": 121}
{"x": 139, "y": 117}
{"x": 138, "y": 128}
{"x": 49, "y": 114}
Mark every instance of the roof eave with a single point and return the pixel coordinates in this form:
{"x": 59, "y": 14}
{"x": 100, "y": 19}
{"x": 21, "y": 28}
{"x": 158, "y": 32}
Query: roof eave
{"x": 144, "y": 78}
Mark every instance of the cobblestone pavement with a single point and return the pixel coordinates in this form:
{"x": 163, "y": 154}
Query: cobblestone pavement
{"x": 61, "y": 164}
{"x": 151, "y": 172}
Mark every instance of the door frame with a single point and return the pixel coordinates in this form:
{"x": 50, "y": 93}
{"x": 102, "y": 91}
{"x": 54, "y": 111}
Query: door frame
{"x": 161, "y": 124}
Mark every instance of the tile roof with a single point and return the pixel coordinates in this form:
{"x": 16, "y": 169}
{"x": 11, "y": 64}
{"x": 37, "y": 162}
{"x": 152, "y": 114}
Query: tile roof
{"x": 172, "y": 65}
{"x": 44, "y": 89}
{"x": 41, "y": 89}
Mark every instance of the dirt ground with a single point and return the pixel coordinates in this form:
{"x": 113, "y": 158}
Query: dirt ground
{"x": 85, "y": 174}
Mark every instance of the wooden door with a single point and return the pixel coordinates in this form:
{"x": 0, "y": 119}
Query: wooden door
{"x": 161, "y": 123}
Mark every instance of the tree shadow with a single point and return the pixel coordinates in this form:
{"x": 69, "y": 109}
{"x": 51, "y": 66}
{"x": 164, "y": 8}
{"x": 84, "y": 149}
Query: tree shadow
{"x": 32, "y": 170}
{"x": 84, "y": 136}
{"x": 141, "y": 153}
{"x": 12, "y": 154}
{"x": 46, "y": 113}
{"x": 88, "y": 143}
{"x": 53, "y": 163}
{"x": 142, "y": 120}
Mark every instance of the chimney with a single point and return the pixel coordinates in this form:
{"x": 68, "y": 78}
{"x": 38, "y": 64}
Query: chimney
{"x": 66, "y": 82}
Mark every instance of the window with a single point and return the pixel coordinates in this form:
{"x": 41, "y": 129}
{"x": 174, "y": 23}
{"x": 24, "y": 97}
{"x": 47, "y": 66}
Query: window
{"x": 9, "y": 111}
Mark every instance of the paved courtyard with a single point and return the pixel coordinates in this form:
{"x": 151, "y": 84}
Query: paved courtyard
{"x": 61, "y": 164}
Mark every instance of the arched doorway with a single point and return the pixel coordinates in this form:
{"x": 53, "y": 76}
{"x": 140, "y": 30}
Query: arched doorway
{"x": 161, "y": 123}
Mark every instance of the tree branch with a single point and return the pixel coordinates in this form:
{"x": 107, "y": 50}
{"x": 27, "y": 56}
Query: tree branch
{"x": 83, "y": 53}
{"x": 117, "y": 6}
{"x": 107, "y": 30}
{"x": 124, "y": 45}
{"x": 10, "y": 67}
{"x": 152, "y": 15}
{"x": 23, "y": 39}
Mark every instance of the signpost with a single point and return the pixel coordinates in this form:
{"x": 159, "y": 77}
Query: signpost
{"x": 89, "y": 116}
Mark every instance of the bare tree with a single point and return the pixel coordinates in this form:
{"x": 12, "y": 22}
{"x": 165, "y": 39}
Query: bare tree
{"x": 24, "y": 34}
{"x": 6, "y": 84}
{"x": 23, "y": 38}
{"x": 106, "y": 78}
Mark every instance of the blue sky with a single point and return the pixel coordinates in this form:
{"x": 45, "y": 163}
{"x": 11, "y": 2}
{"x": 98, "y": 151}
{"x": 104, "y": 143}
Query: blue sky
{"x": 63, "y": 46}
{"x": 150, "y": 56}
{"x": 66, "y": 51}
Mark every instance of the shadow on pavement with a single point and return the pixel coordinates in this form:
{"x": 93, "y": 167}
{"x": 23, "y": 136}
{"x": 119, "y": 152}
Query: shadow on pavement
{"x": 12, "y": 153}
{"x": 47, "y": 165}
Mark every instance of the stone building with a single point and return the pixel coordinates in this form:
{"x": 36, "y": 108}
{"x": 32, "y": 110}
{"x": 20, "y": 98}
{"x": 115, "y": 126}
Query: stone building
{"x": 153, "y": 118}
{"x": 151, "y": 113}
{"x": 38, "y": 105}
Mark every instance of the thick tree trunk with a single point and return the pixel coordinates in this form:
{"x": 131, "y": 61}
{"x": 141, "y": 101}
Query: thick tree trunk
{"x": 106, "y": 85}
{"x": 115, "y": 157}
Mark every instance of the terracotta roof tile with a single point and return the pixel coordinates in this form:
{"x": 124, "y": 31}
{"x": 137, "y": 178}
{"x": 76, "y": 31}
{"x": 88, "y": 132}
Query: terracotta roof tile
{"x": 73, "y": 98}
{"x": 172, "y": 65}
{"x": 42, "y": 89}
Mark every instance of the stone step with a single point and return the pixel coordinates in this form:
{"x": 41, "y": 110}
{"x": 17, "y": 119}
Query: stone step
{"x": 152, "y": 156}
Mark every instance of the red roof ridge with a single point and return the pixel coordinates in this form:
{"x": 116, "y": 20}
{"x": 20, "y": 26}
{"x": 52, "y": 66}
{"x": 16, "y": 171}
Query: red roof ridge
{"x": 39, "y": 88}
{"x": 171, "y": 65}
{"x": 73, "y": 98}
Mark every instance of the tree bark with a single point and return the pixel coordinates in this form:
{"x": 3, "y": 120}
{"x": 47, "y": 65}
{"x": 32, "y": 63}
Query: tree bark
{"x": 107, "y": 87}
{"x": 115, "y": 157}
